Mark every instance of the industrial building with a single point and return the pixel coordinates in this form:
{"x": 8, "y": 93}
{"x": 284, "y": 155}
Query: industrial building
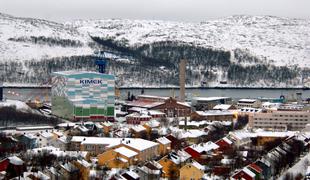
{"x": 84, "y": 95}
{"x": 208, "y": 103}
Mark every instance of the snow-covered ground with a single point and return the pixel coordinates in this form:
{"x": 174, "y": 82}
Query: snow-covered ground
{"x": 281, "y": 41}
{"x": 15, "y": 103}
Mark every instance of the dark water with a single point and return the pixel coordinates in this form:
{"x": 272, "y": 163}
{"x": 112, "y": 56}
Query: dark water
{"x": 25, "y": 94}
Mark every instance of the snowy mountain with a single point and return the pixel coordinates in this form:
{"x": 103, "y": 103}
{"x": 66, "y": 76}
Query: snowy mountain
{"x": 242, "y": 50}
{"x": 280, "y": 40}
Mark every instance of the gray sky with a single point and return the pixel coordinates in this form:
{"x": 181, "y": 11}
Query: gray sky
{"x": 176, "y": 10}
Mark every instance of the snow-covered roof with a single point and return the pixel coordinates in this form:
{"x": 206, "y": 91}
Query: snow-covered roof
{"x": 191, "y": 133}
{"x": 63, "y": 139}
{"x": 214, "y": 113}
{"x": 198, "y": 166}
{"x": 222, "y": 107}
{"x": 84, "y": 163}
{"x": 137, "y": 109}
{"x": 133, "y": 174}
{"x": 184, "y": 104}
{"x": 16, "y": 160}
{"x": 209, "y": 98}
{"x": 179, "y": 157}
{"x": 107, "y": 123}
{"x": 227, "y": 140}
{"x": 47, "y": 134}
{"x": 126, "y": 152}
{"x": 59, "y": 153}
{"x": 82, "y": 128}
{"x": 249, "y": 172}
{"x": 139, "y": 115}
{"x": 66, "y": 124}
{"x": 58, "y": 133}
{"x": 151, "y": 167}
{"x": 74, "y": 72}
{"x": 204, "y": 147}
{"x": 153, "y": 123}
{"x": 136, "y": 143}
{"x": 152, "y": 97}
{"x": 194, "y": 123}
{"x": 247, "y": 100}
{"x": 155, "y": 112}
{"x": 138, "y": 128}
{"x": 144, "y": 104}
{"x": 163, "y": 140}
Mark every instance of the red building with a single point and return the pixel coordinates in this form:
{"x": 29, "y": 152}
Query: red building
{"x": 4, "y": 164}
{"x": 170, "y": 106}
{"x": 137, "y": 118}
{"x": 245, "y": 174}
{"x": 224, "y": 144}
{"x": 201, "y": 152}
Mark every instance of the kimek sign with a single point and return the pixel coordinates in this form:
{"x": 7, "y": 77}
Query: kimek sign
{"x": 90, "y": 81}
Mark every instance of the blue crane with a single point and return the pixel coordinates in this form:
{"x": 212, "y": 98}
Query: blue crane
{"x": 101, "y": 62}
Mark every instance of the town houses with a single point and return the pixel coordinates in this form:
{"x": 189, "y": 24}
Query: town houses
{"x": 162, "y": 137}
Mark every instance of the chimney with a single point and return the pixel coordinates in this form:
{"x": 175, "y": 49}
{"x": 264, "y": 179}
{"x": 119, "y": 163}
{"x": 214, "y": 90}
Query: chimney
{"x": 182, "y": 69}
{"x": 299, "y": 97}
{"x": 1, "y": 92}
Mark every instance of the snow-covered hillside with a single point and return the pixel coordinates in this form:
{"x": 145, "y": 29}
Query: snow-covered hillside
{"x": 281, "y": 41}
{"x": 18, "y": 28}
{"x": 256, "y": 51}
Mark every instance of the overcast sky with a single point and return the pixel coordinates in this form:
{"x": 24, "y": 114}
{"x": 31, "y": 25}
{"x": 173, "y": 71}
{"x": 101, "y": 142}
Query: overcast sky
{"x": 176, "y": 10}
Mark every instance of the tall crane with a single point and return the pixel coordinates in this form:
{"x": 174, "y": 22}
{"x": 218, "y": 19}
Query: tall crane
{"x": 101, "y": 62}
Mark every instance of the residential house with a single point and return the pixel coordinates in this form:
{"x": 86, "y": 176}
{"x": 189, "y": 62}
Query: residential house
{"x": 224, "y": 144}
{"x": 245, "y": 174}
{"x": 138, "y": 131}
{"x": 84, "y": 168}
{"x": 192, "y": 171}
{"x": 68, "y": 171}
{"x": 121, "y": 157}
{"x": 150, "y": 170}
{"x": 172, "y": 163}
{"x": 107, "y": 127}
{"x": 53, "y": 173}
{"x": 176, "y": 144}
{"x": 164, "y": 145}
{"x": 45, "y": 139}
{"x": 202, "y": 152}
{"x": 191, "y": 136}
{"x": 28, "y": 141}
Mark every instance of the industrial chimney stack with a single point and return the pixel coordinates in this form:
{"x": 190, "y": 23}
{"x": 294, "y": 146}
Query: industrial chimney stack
{"x": 1, "y": 92}
{"x": 182, "y": 69}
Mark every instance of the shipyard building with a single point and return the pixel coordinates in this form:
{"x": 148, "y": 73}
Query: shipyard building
{"x": 85, "y": 95}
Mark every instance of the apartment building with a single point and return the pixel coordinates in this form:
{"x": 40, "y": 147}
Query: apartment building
{"x": 281, "y": 120}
